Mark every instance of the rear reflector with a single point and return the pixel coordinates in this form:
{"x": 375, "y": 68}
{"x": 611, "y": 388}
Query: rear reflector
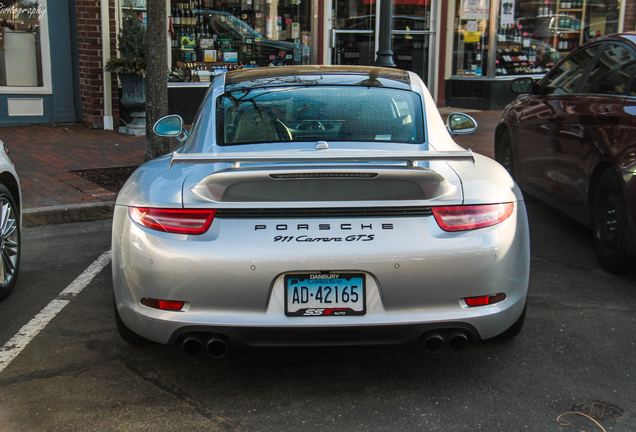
{"x": 485, "y": 300}
{"x": 470, "y": 217}
{"x": 162, "y": 304}
{"x": 179, "y": 221}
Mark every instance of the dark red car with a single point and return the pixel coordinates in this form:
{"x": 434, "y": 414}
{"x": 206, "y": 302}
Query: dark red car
{"x": 570, "y": 140}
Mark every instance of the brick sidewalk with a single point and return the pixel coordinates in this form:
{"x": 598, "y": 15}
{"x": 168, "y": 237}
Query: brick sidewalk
{"x": 46, "y": 155}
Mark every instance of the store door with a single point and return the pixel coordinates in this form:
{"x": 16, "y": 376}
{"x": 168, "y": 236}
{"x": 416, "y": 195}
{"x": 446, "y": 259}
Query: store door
{"x": 354, "y": 36}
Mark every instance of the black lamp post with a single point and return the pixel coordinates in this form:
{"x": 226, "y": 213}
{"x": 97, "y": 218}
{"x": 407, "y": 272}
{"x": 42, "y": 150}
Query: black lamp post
{"x": 384, "y": 55}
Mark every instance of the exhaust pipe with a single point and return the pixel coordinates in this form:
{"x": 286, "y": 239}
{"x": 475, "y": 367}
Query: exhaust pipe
{"x": 458, "y": 340}
{"x": 192, "y": 345}
{"x": 433, "y": 343}
{"x": 217, "y": 346}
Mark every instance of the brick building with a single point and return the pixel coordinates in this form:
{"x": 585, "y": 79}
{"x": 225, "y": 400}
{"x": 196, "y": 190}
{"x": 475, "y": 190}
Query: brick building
{"x": 91, "y": 61}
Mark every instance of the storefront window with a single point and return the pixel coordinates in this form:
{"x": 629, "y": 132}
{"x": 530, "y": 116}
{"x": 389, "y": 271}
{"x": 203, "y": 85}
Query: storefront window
{"x": 356, "y": 29}
{"x": 531, "y": 36}
{"x": 20, "y": 52}
{"x": 470, "y": 56}
{"x": 217, "y": 35}
{"x": 411, "y": 35}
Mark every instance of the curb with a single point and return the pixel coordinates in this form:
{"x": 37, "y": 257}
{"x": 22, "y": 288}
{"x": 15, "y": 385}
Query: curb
{"x": 67, "y": 213}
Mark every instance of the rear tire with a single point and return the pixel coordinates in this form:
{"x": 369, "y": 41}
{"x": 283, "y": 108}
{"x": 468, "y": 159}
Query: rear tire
{"x": 504, "y": 152}
{"x": 612, "y": 227}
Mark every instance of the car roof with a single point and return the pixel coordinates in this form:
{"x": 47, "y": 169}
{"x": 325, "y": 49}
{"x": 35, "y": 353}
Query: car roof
{"x": 621, "y": 37}
{"x": 276, "y": 76}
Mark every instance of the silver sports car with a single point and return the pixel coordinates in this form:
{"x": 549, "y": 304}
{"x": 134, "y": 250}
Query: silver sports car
{"x": 319, "y": 205}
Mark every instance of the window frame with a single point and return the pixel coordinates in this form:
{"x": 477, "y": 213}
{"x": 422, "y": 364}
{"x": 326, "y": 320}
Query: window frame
{"x": 586, "y": 72}
{"x": 45, "y": 53}
{"x": 628, "y": 83}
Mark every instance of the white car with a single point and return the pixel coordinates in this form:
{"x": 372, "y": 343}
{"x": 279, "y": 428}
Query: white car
{"x": 319, "y": 205}
{"x": 10, "y": 222}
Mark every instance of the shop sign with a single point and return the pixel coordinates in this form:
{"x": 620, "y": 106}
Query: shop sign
{"x": 209, "y": 56}
{"x": 188, "y": 43}
{"x": 507, "y": 12}
{"x": 471, "y": 37}
{"x": 472, "y": 34}
{"x": 225, "y": 44}
{"x": 230, "y": 56}
{"x": 475, "y": 9}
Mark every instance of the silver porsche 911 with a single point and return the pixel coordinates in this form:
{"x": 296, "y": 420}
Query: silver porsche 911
{"x": 319, "y": 205}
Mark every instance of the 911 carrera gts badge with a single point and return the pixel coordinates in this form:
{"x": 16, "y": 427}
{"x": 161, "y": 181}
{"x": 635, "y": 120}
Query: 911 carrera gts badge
{"x": 362, "y": 236}
{"x": 308, "y": 239}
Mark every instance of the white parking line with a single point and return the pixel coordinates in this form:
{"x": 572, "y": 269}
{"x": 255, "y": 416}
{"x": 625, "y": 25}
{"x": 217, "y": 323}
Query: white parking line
{"x": 13, "y": 347}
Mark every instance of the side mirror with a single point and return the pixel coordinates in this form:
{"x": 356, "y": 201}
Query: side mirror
{"x": 522, "y": 85}
{"x": 170, "y": 126}
{"x": 460, "y": 124}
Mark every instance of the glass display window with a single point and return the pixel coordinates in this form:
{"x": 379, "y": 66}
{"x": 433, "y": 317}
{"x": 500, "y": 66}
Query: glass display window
{"x": 472, "y": 23}
{"x": 211, "y": 36}
{"x": 530, "y": 36}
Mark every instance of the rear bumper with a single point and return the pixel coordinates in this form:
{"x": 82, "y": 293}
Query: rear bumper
{"x": 399, "y": 334}
{"x": 233, "y": 284}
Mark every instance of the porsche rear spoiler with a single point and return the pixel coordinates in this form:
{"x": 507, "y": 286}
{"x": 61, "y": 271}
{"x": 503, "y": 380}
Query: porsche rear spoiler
{"x": 323, "y": 156}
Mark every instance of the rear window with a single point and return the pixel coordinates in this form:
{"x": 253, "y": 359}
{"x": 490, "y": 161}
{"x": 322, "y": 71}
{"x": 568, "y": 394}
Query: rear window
{"x": 319, "y": 113}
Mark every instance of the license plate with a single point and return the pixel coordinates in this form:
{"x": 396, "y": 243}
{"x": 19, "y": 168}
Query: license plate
{"x": 325, "y": 294}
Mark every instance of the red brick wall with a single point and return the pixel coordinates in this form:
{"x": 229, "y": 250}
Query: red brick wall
{"x": 630, "y": 15}
{"x": 89, "y": 38}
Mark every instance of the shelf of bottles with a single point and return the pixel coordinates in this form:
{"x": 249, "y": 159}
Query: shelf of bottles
{"x": 207, "y": 41}
{"x": 516, "y": 52}
{"x": 568, "y": 25}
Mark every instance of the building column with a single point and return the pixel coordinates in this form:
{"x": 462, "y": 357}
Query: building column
{"x": 91, "y": 62}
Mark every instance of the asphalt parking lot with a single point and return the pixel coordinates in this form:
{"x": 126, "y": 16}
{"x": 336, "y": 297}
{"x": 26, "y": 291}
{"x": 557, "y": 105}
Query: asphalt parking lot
{"x": 573, "y": 359}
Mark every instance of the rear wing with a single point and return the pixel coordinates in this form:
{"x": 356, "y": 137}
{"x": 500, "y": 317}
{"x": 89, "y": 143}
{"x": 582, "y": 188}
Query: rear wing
{"x": 322, "y": 156}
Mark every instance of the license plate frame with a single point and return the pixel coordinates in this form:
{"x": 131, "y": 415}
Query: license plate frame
{"x": 325, "y": 294}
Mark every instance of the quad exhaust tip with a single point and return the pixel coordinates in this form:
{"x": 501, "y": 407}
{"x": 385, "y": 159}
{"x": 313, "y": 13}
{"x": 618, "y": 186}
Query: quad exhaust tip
{"x": 434, "y": 342}
{"x": 216, "y": 345}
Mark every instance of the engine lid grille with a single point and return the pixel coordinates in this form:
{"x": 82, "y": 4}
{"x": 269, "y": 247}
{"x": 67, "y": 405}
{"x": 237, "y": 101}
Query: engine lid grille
{"x": 324, "y": 212}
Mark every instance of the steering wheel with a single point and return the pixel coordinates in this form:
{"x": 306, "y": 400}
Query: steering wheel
{"x": 282, "y": 130}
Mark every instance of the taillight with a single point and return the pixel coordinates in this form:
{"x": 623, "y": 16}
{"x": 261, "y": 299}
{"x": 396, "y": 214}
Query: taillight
{"x": 169, "y": 305}
{"x": 178, "y": 221}
{"x": 470, "y": 217}
{"x": 485, "y": 300}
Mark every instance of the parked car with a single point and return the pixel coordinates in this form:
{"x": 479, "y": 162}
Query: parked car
{"x": 570, "y": 140}
{"x": 317, "y": 205}
{"x": 10, "y": 221}
{"x": 267, "y": 52}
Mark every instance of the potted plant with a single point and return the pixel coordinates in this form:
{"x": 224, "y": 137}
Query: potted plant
{"x": 130, "y": 68}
